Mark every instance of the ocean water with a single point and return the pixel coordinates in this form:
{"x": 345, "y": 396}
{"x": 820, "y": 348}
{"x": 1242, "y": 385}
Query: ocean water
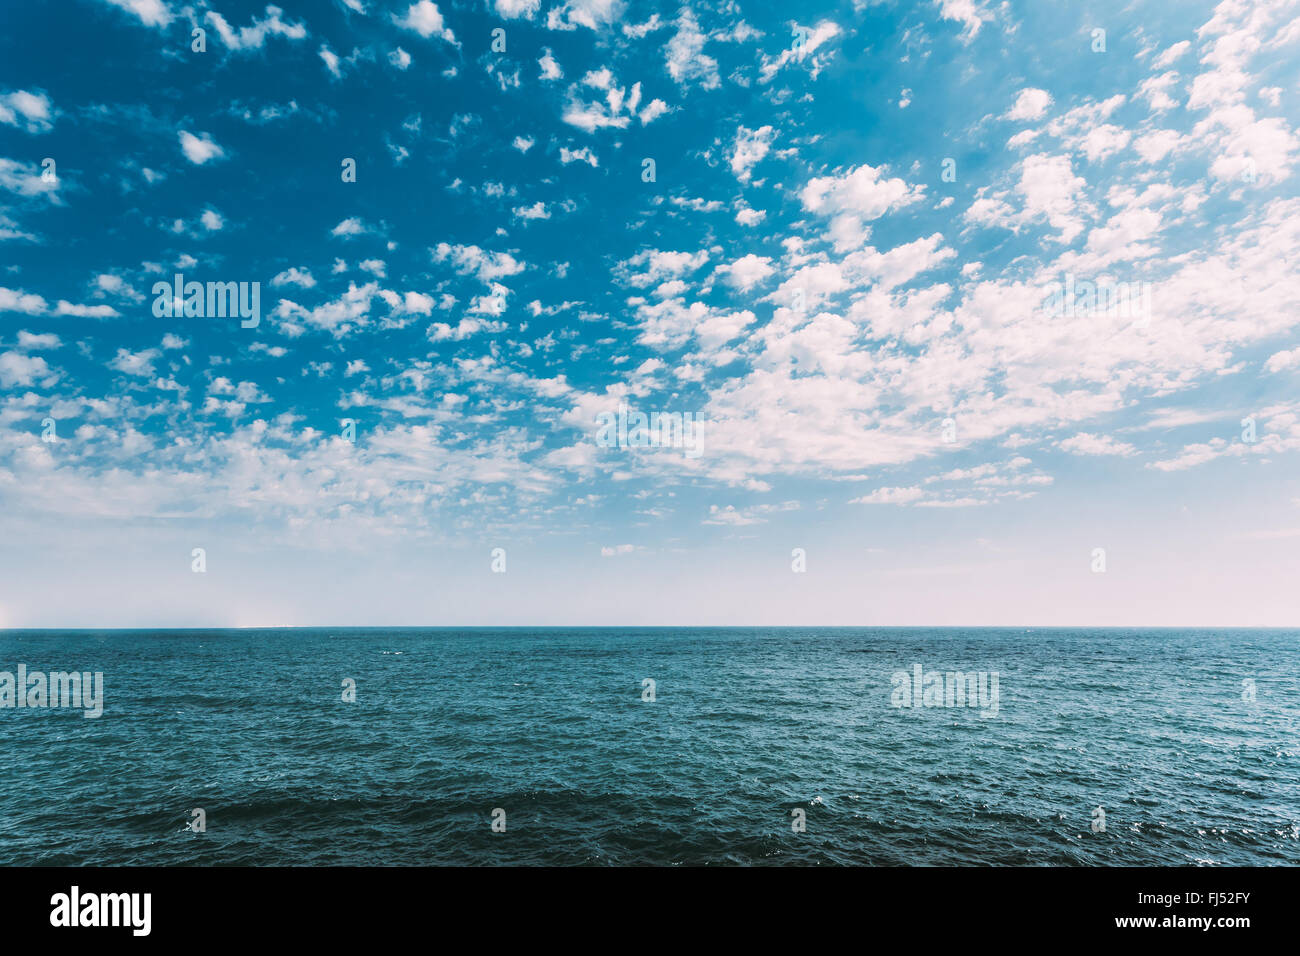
{"x": 752, "y": 731}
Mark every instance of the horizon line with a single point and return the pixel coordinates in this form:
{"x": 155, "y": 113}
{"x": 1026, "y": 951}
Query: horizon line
{"x": 541, "y": 627}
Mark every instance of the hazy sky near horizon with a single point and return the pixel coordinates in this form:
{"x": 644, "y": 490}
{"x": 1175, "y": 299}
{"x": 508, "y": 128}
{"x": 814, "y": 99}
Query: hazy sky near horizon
{"x": 839, "y": 234}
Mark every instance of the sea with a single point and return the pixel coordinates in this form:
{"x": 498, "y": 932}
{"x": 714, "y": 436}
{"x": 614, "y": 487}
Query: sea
{"x": 789, "y": 746}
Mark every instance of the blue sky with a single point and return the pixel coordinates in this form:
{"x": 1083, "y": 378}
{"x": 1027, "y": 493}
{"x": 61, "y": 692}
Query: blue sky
{"x": 841, "y": 266}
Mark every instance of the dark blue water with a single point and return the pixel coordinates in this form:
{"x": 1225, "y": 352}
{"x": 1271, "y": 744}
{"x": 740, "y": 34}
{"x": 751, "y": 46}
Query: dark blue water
{"x": 747, "y": 726}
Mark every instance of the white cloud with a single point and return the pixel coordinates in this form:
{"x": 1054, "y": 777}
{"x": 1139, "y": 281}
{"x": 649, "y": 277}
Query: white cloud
{"x": 750, "y": 146}
{"x": 116, "y": 285}
{"x": 331, "y": 60}
{"x": 294, "y": 276}
{"x": 30, "y": 111}
{"x": 152, "y": 13}
{"x": 747, "y": 271}
{"x": 592, "y": 14}
{"x": 1155, "y": 90}
{"x": 18, "y": 178}
{"x": 135, "y": 363}
{"x": 252, "y": 37}
{"x": 536, "y": 211}
{"x": 16, "y": 300}
{"x": 969, "y": 13}
{"x": 199, "y": 149}
{"x": 615, "y": 109}
{"x": 1102, "y": 141}
{"x": 1155, "y": 145}
{"x": 9, "y": 230}
{"x": 1281, "y": 361}
{"x": 592, "y": 116}
{"x": 43, "y": 340}
{"x": 815, "y": 38}
{"x": 652, "y": 266}
{"x": 425, "y": 18}
{"x": 652, "y": 111}
{"x": 638, "y": 30}
{"x": 467, "y": 327}
{"x": 550, "y": 68}
{"x": 517, "y": 9}
{"x": 583, "y": 155}
{"x": 1031, "y": 104}
{"x": 1085, "y": 443}
{"x": 732, "y": 516}
{"x": 352, "y": 226}
{"x": 471, "y": 260}
{"x": 17, "y": 369}
{"x": 338, "y": 316}
{"x": 686, "y": 60}
{"x": 890, "y": 496}
{"x": 1051, "y": 191}
{"x": 1243, "y": 146}
{"x": 855, "y": 198}
{"x": 1171, "y": 54}
{"x": 65, "y": 307}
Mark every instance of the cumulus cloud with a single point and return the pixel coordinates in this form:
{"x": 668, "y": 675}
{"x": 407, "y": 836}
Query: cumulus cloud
{"x": 616, "y": 108}
{"x": 16, "y": 300}
{"x": 294, "y": 276}
{"x": 592, "y": 14}
{"x": 971, "y": 14}
{"x": 855, "y": 198}
{"x": 44, "y": 340}
{"x": 537, "y": 210}
{"x": 1281, "y": 361}
{"x": 471, "y": 260}
{"x": 686, "y": 61}
{"x": 582, "y": 155}
{"x": 65, "y": 307}
{"x": 747, "y": 271}
{"x": 749, "y": 148}
{"x": 1030, "y": 104}
{"x": 425, "y": 19}
{"x": 200, "y": 148}
{"x": 32, "y": 112}
{"x": 135, "y": 363}
{"x": 517, "y": 9}
{"x": 550, "y": 68}
{"x": 1085, "y": 443}
{"x": 254, "y": 36}
{"x": 20, "y": 370}
{"x": 152, "y": 13}
{"x": 889, "y": 496}
{"x": 352, "y": 226}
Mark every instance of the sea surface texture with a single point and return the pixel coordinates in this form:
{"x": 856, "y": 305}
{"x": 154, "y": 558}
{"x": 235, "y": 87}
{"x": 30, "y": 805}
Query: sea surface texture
{"x": 785, "y": 746}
